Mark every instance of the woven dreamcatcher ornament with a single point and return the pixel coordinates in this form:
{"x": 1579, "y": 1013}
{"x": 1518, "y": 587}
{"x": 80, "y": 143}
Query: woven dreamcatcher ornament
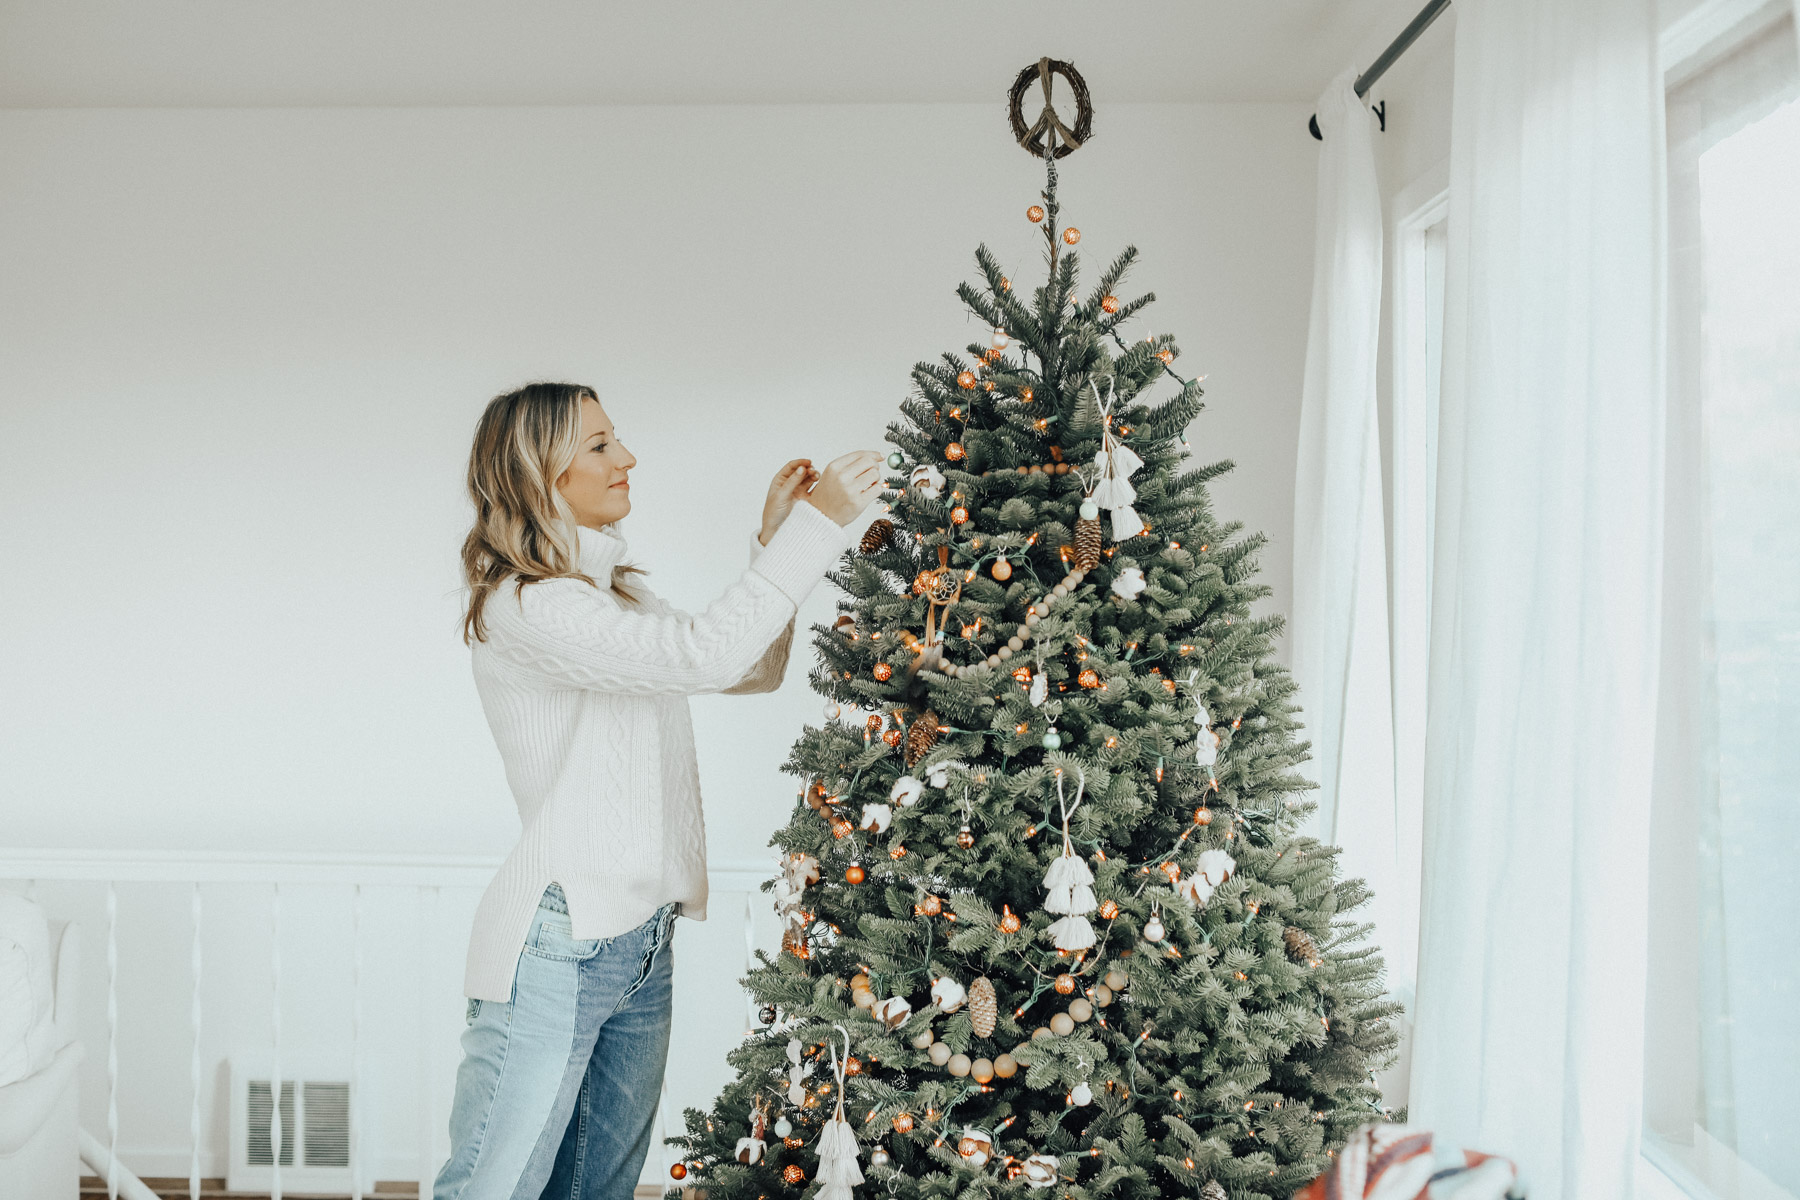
{"x": 836, "y": 1146}
{"x": 1070, "y": 883}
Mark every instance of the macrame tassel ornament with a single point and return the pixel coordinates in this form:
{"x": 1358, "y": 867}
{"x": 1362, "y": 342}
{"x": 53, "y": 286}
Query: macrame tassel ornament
{"x": 1069, "y": 884}
{"x": 836, "y": 1147}
{"x": 1114, "y": 464}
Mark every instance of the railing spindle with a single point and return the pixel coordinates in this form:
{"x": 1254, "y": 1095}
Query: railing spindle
{"x": 112, "y": 1040}
{"x": 275, "y": 1130}
{"x": 194, "y": 1060}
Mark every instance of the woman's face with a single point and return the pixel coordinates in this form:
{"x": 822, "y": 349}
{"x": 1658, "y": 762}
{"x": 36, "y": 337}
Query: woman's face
{"x": 595, "y": 484}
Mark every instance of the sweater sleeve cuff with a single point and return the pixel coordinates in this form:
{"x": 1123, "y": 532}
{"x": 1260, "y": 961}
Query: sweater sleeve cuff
{"x": 756, "y": 546}
{"x": 801, "y": 551}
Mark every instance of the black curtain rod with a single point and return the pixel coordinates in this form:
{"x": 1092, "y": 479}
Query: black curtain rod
{"x": 1399, "y": 46}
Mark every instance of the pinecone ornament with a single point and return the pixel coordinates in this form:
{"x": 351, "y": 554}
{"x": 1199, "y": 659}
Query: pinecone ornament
{"x": 921, "y": 736}
{"x": 879, "y": 533}
{"x": 1213, "y": 1191}
{"x": 1300, "y": 946}
{"x": 984, "y": 1007}
{"x": 1087, "y": 543}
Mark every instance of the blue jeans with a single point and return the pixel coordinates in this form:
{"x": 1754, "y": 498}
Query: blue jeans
{"x": 557, "y": 1092}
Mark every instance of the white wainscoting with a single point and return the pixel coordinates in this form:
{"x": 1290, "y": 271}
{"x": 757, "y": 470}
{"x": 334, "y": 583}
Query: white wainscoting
{"x": 357, "y": 954}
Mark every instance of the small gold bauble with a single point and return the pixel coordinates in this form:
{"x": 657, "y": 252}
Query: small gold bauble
{"x": 903, "y": 1123}
{"x": 938, "y": 1053}
{"x": 1065, "y": 984}
{"x": 958, "y": 1065}
{"x": 1109, "y": 304}
{"x": 959, "y": 515}
{"x": 1062, "y": 1024}
{"x": 965, "y": 379}
{"x": 991, "y": 354}
{"x": 1002, "y": 570}
{"x": 1035, "y": 213}
{"x": 923, "y": 1039}
{"x": 931, "y": 906}
{"x": 1006, "y": 1066}
{"x": 1071, "y": 235}
{"x": 1203, "y": 816}
{"x": 678, "y": 1171}
{"x": 1009, "y": 920}
{"x": 981, "y": 1070}
{"x": 1080, "y": 1009}
{"x": 883, "y": 671}
{"x": 954, "y": 452}
{"x": 854, "y": 873}
{"x": 794, "y": 1173}
{"x": 892, "y": 737}
{"x": 853, "y": 1065}
{"x": 1089, "y": 678}
{"x": 897, "y": 852}
{"x": 1109, "y": 909}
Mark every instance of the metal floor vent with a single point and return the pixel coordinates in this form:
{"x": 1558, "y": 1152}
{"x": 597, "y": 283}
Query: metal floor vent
{"x": 316, "y": 1109}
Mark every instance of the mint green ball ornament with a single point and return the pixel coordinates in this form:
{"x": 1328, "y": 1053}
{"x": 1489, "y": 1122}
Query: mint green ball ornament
{"x": 1052, "y": 740}
{"x": 896, "y": 460}
{"x": 1089, "y": 510}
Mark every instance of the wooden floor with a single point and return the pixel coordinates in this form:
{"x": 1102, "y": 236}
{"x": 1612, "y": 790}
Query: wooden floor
{"x": 94, "y": 1188}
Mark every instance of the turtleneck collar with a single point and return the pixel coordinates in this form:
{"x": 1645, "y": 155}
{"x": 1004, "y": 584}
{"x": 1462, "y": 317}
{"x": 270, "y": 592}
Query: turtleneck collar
{"x": 600, "y": 550}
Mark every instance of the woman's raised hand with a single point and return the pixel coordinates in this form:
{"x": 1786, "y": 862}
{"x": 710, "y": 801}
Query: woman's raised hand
{"x": 791, "y": 481}
{"x": 846, "y": 486}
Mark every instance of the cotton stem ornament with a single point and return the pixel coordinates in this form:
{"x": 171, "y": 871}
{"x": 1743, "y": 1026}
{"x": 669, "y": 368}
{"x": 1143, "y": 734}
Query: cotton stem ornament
{"x": 1070, "y": 882}
{"x": 1114, "y": 463}
{"x": 836, "y": 1146}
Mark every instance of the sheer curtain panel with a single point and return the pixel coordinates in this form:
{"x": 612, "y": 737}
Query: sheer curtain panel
{"x": 1545, "y": 595}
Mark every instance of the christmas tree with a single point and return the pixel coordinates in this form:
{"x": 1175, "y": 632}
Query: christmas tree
{"x": 1050, "y": 921}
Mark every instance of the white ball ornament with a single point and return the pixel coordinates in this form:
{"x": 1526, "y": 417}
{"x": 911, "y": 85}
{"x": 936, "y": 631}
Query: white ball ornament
{"x": 878, "y": 1157}
{"x": 1081, "y": 1095}
{"x": 938, "y": 1053}
{"x": 1153, "y": 930}
{"x": 833, "y": 711}
{"x": 1089, "y": 510}
{"x": 783, "y": 1127}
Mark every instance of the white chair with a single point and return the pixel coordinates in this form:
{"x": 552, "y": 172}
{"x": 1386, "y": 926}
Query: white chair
{"x": 40, "y": 966}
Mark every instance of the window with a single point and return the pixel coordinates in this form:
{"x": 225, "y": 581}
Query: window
{"x": 1722, "y": 1113}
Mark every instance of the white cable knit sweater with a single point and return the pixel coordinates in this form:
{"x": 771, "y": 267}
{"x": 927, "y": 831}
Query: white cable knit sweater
{"x": 587, "y": 699}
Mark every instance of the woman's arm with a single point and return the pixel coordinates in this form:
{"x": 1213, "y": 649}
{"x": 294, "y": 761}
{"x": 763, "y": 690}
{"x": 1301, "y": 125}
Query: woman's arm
{"x": 766, "y": 675}
{"x": 565, "y": 633}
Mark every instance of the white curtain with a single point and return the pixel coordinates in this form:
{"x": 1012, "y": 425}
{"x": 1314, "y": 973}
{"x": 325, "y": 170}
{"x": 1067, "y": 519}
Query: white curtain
{"x": 1340, "y": 620}
{"x": 1546, "y": 583}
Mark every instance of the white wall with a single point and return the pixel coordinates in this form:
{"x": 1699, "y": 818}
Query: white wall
{"x": 241, "y": 354}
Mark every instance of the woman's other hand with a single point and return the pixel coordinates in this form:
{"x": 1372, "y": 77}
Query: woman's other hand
{"x": 846, "y": 486}
{"x": 789, "y": 482}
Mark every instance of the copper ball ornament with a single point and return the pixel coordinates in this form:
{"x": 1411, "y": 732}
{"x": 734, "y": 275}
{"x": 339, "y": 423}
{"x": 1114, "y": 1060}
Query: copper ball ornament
{"x": 678, "y": 1171}
{"x": 1002, "y": 570}
{"x": 965, "y": 838}
{"x": 1035, "y": 213}
{"x": 959, "y": 515}
{"x": 954, "y": 452}
{"x": 1089, "y": 678}
{"x": 1009, "y": 920}
{"x": 1203, "y": 816}
{"x": 931, "y": 906}
{"x": 1109, "y": 304}
{"x": 903, "y": 1123}
{"x": 883, "y": 672}
{"x": 854, "y": 873}
{"x": 1109, "y": 909}
{"x": 1065, "y": 984}
{"x": 793, "y": 1173}
{"x": 1071, "y": 235}
{"x": 965, "y": 379}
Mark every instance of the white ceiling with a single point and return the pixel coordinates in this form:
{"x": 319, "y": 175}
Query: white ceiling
{"x": 232, "y": 53}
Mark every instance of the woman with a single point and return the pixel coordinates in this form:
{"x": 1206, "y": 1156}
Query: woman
{"x": 584, "y": 675}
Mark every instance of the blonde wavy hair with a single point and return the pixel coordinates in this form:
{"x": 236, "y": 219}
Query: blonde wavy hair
{"x": 524, "y": 528}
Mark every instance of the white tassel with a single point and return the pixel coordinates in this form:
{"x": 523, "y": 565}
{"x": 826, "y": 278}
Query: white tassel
{"x": 836, "y": 1147}
{"x": 1072, "y": 933}
{"x": 1126, "y": 524}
